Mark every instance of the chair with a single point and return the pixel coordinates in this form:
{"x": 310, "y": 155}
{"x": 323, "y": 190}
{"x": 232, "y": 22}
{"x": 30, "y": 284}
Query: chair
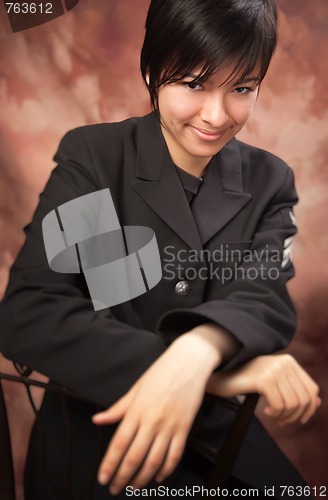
{"x": 6, "y": 464}
{"x": 223, "y": 461}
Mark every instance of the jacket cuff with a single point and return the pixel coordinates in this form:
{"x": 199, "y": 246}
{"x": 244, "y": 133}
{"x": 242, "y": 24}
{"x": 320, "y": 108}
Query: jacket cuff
{"x": 254, "y": 337}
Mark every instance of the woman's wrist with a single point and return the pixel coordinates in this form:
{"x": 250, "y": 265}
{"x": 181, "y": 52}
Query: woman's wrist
{"x": 196, "y": 358}
{"x": 209, "y": 343}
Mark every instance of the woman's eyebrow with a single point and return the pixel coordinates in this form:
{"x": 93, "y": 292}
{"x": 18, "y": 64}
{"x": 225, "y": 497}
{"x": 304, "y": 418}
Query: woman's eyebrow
{"x": 247, "y": 80}
{"x": 192, "y": 75}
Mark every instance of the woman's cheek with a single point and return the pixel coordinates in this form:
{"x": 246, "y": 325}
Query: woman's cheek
{"x": 185, "y": 106}
{"x": 244, "y": 111}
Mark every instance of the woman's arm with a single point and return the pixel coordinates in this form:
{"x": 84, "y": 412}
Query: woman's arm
{"x": 254, "y": 305}
{"x": 47, "y": 318}
{"x": 157, "y": 413}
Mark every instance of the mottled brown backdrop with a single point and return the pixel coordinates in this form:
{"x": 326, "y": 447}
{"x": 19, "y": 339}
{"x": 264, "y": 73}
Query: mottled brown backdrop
{"x": 83, "y": 68}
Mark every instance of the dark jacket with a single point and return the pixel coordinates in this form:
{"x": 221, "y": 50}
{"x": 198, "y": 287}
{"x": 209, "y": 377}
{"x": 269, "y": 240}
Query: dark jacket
{"x": 47, "y": 318}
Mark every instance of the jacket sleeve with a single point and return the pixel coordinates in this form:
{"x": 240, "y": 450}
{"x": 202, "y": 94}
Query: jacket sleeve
{"x": 47, "y": 319}
{"x": 254, "y": 305}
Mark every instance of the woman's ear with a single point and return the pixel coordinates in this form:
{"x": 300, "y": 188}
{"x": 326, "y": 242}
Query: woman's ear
{"x": 147, "y": 78}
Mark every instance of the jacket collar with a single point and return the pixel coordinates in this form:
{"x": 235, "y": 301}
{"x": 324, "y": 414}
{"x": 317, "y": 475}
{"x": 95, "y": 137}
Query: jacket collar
{"x": 158, "y": 183}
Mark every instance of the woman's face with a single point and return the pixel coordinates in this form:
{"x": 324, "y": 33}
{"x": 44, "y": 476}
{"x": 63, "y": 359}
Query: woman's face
{"x": 198, "y": 120}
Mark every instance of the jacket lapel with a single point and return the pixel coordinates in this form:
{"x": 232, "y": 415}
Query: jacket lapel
{"x": 221, "y": 196}
{"x": 158, "y": 183}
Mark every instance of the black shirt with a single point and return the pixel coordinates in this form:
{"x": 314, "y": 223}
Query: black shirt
{"x": 191, "y": 183}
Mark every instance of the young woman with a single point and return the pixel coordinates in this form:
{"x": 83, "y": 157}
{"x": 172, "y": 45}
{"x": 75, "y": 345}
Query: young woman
{"x": 211, "y": 322}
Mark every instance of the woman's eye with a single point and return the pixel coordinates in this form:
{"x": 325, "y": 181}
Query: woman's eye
{"x": 243, "y": 90}
{"x": 192, "y": 85}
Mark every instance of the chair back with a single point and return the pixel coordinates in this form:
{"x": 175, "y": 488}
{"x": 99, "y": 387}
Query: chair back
{"x": 7, "y": 481}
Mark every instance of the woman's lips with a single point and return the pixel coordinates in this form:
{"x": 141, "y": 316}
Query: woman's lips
{"x": 207, "y": 135}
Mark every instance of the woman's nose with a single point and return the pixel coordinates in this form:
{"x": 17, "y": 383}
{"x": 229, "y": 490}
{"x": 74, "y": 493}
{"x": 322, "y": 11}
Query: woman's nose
{"x": 214, "y": 111}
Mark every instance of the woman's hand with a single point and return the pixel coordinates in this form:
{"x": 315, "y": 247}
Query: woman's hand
{"x": 158, "y": 411}
{"x": 289, "y": 392}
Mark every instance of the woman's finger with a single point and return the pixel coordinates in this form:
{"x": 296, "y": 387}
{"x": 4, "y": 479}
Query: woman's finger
{"x": 296, "y": 397}
{"x": 310, "y": 411}
{"x": 134, "y": 457}
{"x": 113, "y": 413}
{"x": 154, "y": 461}
{"x": 172, "y": 458}
{"x": 313, "y": 392}
{"x": 276, "y": 402}
{"x": 277, "y": 382}
{"x": 117, "y": 448}
{"x": 306, "y": 391}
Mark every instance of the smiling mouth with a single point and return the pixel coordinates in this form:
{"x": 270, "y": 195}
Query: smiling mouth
{"x": 206, "y": 134}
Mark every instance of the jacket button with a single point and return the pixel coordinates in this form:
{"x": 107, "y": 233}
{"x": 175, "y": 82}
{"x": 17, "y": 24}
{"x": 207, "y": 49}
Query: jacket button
{"x": 182, "y": 288}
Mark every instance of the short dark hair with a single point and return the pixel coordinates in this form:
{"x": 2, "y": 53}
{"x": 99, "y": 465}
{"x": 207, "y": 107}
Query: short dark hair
{"x": 182, "y": 35}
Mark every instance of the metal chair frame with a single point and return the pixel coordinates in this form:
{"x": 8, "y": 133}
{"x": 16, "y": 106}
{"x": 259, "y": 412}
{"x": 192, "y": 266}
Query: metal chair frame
{"x": 223, "y": 460}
